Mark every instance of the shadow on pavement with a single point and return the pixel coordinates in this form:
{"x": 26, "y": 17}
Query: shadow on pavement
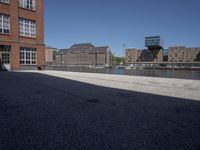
{"x": 44, "y": 112}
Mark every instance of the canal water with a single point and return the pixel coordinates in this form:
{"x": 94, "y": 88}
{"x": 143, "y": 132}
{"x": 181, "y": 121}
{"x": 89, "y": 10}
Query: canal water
{"x": 164, "y": 73}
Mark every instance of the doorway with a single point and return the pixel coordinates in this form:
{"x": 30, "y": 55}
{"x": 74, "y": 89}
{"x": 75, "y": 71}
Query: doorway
{"x": 5, "y": 57}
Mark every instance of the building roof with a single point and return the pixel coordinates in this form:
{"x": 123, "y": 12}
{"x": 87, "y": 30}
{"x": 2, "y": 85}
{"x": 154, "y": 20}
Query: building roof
{"x": 153, "y": 41}
{"x": 49, "y": 47}
{"x": 85, "y": 48}
{"x": 63, "y": 51}
{"x": 81, "y": 47}
{"x": 99, "y": 49}
{"x": 178, "y": 47}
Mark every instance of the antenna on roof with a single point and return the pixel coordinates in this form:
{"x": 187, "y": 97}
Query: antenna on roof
{"x": 124, "y": 49}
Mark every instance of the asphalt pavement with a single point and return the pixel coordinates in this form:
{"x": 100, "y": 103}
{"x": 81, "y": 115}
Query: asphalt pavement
{"x": 42, "y": 112}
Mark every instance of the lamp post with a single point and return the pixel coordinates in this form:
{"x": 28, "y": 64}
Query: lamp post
{"x": 172, "y": 67}
{"x": 61, "y": 58}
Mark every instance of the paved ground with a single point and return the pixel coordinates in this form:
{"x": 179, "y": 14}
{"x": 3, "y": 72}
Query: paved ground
{"x": 45, "y": 112}
{"x": 181, "y": 88}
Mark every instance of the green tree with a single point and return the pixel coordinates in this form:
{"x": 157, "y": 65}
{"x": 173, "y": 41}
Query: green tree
{"x": 118, "y": 60}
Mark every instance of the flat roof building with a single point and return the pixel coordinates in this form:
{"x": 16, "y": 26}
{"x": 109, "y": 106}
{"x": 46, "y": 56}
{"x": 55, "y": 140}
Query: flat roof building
{"x": 153, "y": 53}
{"x": 183, "y": 54}
{"x": 153, "y": 42}
{"x": 21, "y": 34}
{"x": 50, "y": 54}
{"x": 134, "y": 55}
{"x": 155, "y": 47}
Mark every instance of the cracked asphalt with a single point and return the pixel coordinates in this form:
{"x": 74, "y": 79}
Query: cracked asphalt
{"x": 41, "y": 112}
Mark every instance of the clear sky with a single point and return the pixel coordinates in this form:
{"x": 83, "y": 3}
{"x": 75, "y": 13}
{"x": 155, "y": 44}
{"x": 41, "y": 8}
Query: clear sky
{"x": 117, "y": 22}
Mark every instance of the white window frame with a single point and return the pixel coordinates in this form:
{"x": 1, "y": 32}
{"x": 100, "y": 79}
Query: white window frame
{"x": 4, "y": 24}
{"x": 4, "y": 1}
{"x": 27, "y": 27}
{"x": 27, "y": 4}
{"x": 29, "y": 56}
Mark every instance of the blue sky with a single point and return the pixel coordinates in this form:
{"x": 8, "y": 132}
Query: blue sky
{"x": 117, "y": 22}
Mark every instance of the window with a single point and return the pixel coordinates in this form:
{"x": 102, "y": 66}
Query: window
{"x": 28, "y": 56}
{"x": 5, "y": 58}
{"x": 27, "y": 27}
{"x": 4, "y": 24}
{"x": 5, "y": 1}
{"x": 28, "y": 4}
{"x": 5, "y": 54}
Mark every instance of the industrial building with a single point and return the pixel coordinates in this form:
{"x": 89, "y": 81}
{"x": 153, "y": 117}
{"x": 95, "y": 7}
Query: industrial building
{"x": 21, "y": 34}
{"x": 84, "y": 54}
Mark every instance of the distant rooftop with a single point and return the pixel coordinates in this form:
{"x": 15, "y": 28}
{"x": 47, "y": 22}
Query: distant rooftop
{"x": 49, "y": 47}
{"x": 82, "y": 46}
{"x": 85, "y": 48}
{"x": 184, "y": 47}
{"x": 153, "y": 41}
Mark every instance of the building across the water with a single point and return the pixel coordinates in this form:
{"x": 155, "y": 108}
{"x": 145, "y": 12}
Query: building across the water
{"x": 165, "y": 55}
{"x": 84, "y": 54}
{"x": 153, "y": 53}
{"x": 155, "y": 49}
{"x": 50, "y": 54}
{"x": 21, "y": 34}
{"x": 134, "y": 55}
{"x": 183, "y": 54}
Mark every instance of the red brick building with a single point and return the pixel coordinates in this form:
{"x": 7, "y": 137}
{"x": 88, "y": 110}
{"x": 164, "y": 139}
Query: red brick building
{"x": 21, "y": 34}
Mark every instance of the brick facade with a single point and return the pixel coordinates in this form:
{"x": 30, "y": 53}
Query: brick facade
{"x": 183, "y": 54}
{"x": 15, "y": 40}
{"x": 85, "y": 54}
{"x": 134, "y": 55}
